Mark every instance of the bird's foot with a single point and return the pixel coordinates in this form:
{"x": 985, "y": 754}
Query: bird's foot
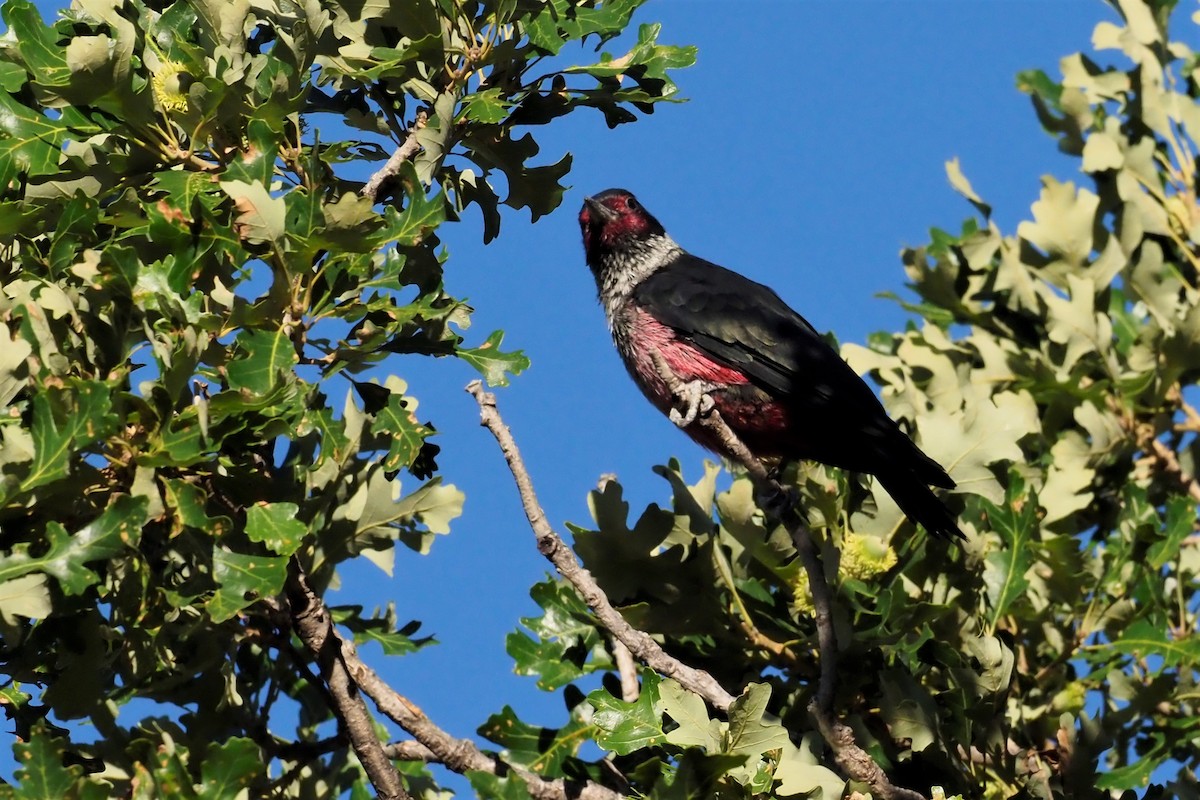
{"x": 696, "y": 402}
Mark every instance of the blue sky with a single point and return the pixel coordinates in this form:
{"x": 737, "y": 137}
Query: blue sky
{"x": 810, "y": 151}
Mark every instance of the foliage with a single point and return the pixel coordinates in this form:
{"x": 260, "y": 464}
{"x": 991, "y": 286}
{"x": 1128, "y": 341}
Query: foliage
{"x": 188, "y": 271}
{"x": 193, "y": 289}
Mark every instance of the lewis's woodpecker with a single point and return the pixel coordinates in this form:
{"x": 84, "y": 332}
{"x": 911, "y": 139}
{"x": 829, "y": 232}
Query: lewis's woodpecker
{"x": 776, "y": 383}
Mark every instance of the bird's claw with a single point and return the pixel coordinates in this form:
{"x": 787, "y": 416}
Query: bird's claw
{"x": 696, "y": 402}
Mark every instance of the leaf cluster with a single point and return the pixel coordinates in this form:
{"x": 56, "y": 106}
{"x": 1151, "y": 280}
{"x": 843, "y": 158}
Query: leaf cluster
{"x": 196, "y": 300}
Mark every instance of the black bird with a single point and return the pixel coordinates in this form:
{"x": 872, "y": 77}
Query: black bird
{"x": 776, "y": 383}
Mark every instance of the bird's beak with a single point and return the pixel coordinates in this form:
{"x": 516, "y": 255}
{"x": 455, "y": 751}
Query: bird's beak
{"x": 598, "y": 211}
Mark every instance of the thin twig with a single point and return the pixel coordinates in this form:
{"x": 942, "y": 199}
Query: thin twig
{"x": 460, "y": 755}
{"x": 802, "y": 537}
{"x": 627, "y": 669}
{"x": 551, "y": 545}
{"x": 757, "y": 638}
{"x": 312, "y": 623}
{"x": 410, "y": 751}
{"x": 857, "y": 763}
{"x": 407, "y": 150}
{"x": 1169, "y": 462}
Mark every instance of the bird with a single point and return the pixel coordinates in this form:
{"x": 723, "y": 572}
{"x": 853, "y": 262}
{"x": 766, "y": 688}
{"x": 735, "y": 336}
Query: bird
{"x": 689, "y": 329}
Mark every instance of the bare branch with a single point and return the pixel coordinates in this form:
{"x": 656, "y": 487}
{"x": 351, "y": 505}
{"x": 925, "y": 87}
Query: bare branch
{"x": 407, "y": 150}
{"x": 857, "y": 763}
{"x": 627, "y": 669}
{"x": 410, "y": 751}
{"x": 434, "y": 744}
{"x": 1168, "y": 462}
{"x": 551, "y": 545}
{"x": 314, "y": 626}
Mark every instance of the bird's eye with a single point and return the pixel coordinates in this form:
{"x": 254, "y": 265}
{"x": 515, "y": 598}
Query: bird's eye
{"x": 631, "y": 204}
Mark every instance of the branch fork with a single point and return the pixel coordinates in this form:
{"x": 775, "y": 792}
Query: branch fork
{"x": 698, "y": 408}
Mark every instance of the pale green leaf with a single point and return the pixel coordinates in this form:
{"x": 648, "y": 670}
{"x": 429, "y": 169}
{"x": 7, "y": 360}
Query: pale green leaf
{"x": 751, "y": 730}
{"x": 261, "y": 217}
{"x": 276, "y": 526}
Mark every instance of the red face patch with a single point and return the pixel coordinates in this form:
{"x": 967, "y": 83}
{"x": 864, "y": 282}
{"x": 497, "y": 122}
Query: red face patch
{"x": 629, "y": 221}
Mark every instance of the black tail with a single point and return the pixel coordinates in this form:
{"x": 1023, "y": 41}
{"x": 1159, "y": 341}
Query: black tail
{"x": 920, "y": 504}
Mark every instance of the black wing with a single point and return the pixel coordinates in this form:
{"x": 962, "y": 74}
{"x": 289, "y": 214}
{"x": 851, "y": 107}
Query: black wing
{"x": 746, "y": 326}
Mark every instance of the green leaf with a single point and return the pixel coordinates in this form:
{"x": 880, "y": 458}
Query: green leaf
{"x": 992, "y": 665}
{"x": 276, "y": 526}
{"x": 1062, "y": 226}
{"x": 567, "y": 643}
{"x": 909, "y": 710}
{"x": 394, "y": 641}
{"x": 261, "y": 218}
{"x": 420, "y": 217}
{"x": 380, "y": 517}
{"x": 27, "y": 596}
{"x": 494, "y": 365}
{"x": 268, "y": 355}
{"x": 625, "y": 727}
{"x": 229, "y": 768}
{"x": 690, "y": 714}
{"x": 1015, "y": 523}
{"x": 968, "y": 442}
{"x": 42, "y": 775}
{"x": 398, "y": 422}
{"x": 12, "y": 77}
{"x": 750, "y": 731}
{"x": 800, "y": 772}
{"x": 1132, "y": 776}
{"x": 538, "y": 188}
{"x": 617, "y": 555}
{"x": 66, "y": 420}
{"x": 1143, "y": 639}
{"x": 487, "y": 107}
{"x": 107, "y": 537}
{"x": 243, "y": 580}
{"x": 494, "y": 787}
{"x": 1179, "y": 524}
{"x": 542, "y": 750}
{"x": 555, "y": 23}
{"x": 38, "y": 45}
{"x": 963, "y": 186}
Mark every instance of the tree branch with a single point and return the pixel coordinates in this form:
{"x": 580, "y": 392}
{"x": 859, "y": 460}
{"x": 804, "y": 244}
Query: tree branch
{"x": 313, "y": 625}
{"x": 551, "y": 545}
{"x": 1168, "y": 462}
{"x": 347, "y": 673}
{"x": 627, "y": 669}
{"x": 407, "y": 150}
{"x": 460, "y": 755}
{"x": 857, "y": 762}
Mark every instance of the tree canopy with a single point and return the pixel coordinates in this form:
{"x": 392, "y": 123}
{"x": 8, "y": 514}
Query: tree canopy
{"x": 200, "y": 281}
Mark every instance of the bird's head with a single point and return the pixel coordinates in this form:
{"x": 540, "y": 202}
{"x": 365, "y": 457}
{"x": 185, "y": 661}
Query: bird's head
{"x": 614, "y": 220}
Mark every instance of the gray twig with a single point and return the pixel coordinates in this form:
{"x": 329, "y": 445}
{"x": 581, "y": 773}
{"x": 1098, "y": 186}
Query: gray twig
{"x": 857, "y": 763}
{"x": 406, "y": 150}
{"x": 460, "y": 755}
{"x": 627, "y": 669}
{"x": 551, "y": 545}
{"x": 312, "y": 623}
{"x": 346, "y": 673}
